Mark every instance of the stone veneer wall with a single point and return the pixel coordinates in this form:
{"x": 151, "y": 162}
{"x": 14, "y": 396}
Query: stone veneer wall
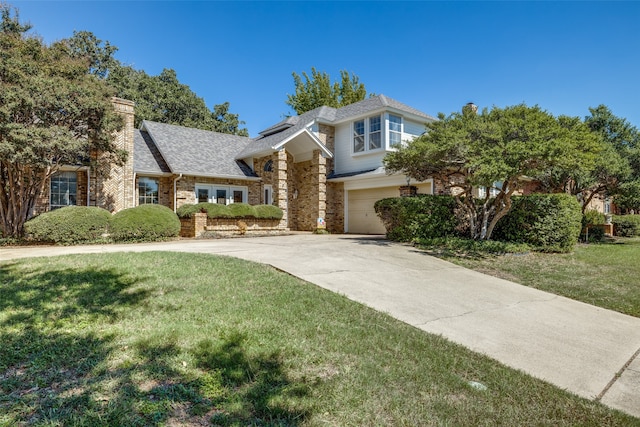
{"x": 112, "y": 185}
{"x": 308, "y": 179}
{"x": 335, "y": 207}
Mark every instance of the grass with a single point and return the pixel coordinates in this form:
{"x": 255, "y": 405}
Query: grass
{"x": 603, "y": 274}
{"x": 166, "y": 339}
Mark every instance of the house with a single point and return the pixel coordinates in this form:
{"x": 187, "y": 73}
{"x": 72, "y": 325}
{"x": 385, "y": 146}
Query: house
{"x": 325, "y": 163}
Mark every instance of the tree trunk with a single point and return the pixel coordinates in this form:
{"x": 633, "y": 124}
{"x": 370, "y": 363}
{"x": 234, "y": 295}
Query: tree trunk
{"x": 20, "y": 187}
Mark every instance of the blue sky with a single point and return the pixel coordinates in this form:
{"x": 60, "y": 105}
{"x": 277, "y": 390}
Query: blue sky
{"x": 434, "y": 56}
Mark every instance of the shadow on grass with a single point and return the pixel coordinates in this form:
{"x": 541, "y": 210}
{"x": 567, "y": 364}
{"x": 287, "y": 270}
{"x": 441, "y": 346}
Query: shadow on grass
{"x": 58, "y": 366}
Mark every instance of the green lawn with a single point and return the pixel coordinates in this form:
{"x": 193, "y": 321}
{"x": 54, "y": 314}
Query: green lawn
{"x": 606, "y": 274}
{"x": 187, "y": 339}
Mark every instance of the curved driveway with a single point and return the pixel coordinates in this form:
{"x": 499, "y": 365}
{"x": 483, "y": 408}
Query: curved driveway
{"x": 587, "y": 350}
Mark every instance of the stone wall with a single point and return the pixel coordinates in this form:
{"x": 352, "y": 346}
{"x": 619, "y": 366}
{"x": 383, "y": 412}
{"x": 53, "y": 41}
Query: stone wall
{"x": 335, "y": 207}
{"x": 199, "y": 225}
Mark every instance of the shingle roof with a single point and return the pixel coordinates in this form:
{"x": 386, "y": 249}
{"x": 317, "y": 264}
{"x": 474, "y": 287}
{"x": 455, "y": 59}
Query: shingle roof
{"x": 147, "y": 158}
{"x": 199, "y": 152}
{"x": 274, "y": 135}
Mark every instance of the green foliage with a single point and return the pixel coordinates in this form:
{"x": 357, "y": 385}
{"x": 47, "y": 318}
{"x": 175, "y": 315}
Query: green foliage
{"x": 145, "y": 223}
{"x": 463, "y": 151}
{"x": 596, "y": 234}
{"x": 626, "y": 225}
{"x": 241, "y": 210}
{"x": 628, "y": 196}
{"x": 422, "y": 217}
{"x": 268, "y": 212}
{"x": 69, "y": 225}
{"x": 458, "y": 246}
{"x": 317, "y": 91}
{"x": 52, "y": 112}
{"x": 592, "y": 216}
{"x": 235, "y": 210}
{"x": 549, "y": 222}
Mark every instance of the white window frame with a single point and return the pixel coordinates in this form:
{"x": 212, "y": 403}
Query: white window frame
{"x": 393, "y": 131}
{"x": 368, "y": 133}
{"x": 229, "y": 189}
{"x": 154, "y": 201}
{"x": 267, "y": 194}
{"x": 71, "y": 198}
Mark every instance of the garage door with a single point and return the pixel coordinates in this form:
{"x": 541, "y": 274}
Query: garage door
{"x": 362, "y": 215}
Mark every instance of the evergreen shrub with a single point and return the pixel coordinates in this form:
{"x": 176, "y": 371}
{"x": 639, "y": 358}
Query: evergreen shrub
{"x": 549, "y": 222}
{"x": 145, "y": 223}
{"x": 626, "y": 225}
{"x": 424, "y": 216}
{"x": 69, "y": 225}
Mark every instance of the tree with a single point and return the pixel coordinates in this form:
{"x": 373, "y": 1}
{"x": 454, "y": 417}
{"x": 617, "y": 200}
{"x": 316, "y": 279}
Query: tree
{"x": 52, "y": 113}
{"x": 159, "y": 98}
{"x": 499, "y": 149}
{"x": 317, "y": 91}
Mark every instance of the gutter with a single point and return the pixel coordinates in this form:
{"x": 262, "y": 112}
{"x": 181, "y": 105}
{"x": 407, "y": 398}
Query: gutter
{"x": 175, "y": 195}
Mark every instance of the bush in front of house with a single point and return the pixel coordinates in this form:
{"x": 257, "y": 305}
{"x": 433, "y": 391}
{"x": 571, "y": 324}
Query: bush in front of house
{"x": 69, "y": 225}
{"x": 626, "y": 225}
{"x": 235, "y": 210}
{"x": 549, "y": 222}
{"x": 268, "y": 212}
{"x": 424, "y": 216}
{"x": 144, "y": 223}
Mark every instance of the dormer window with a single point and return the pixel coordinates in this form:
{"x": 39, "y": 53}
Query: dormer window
{"x": 395, "y": 130}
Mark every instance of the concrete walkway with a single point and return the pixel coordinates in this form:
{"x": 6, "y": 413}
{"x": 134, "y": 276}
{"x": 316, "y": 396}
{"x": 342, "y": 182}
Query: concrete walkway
{"x": 587, "y": 350}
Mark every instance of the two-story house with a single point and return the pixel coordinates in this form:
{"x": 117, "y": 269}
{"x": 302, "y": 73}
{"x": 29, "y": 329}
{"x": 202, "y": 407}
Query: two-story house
{"x": 325, "y": 163}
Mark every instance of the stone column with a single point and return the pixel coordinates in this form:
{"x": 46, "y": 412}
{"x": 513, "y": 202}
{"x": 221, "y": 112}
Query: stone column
{"x": 320, "y": 182}
{"x": 280, "y": 189}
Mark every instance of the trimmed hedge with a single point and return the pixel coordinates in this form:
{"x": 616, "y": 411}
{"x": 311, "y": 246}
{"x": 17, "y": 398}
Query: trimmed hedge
{"x": 424, "y": 216}
{"x": 626, "y": 225}
{"x": 145, "y": 223}
{"x": 69, "y": 225}
{"x": 234, "y": 210}
{"x": 549, "y": 222}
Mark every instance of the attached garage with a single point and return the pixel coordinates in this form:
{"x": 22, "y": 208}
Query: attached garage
{"x": 362, "y": 217}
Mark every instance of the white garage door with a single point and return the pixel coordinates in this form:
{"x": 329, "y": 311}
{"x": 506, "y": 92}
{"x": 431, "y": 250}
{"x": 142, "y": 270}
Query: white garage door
{"x": 362, "y": 215}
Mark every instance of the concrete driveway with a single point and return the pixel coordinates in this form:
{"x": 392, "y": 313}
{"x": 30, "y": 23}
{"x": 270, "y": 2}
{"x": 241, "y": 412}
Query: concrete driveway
{"x": 587, "y": 350}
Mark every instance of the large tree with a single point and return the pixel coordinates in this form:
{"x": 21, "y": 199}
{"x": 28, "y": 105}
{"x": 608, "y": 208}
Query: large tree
{"x": 317, "y": 91}
{"x": 500, "y": 149}
{"x": 162, "y": 98}
{"x": 52, "y": 113}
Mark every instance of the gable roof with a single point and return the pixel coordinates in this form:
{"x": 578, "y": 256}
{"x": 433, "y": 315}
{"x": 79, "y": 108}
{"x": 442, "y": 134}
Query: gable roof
{"x": 147, "y": 159}
{"x": 274, "y": 136}
{"x": 198, "y": 152}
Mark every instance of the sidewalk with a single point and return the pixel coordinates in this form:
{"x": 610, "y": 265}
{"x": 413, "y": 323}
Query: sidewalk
{"x": 587, "y": 350}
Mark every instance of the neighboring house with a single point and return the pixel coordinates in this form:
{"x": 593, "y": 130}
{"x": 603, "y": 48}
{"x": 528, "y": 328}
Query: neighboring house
{"x": 325, "y": 163}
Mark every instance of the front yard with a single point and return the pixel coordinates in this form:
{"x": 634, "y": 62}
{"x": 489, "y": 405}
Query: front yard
{"x": 188, "y": 339}
{"x": 606, "y": 274}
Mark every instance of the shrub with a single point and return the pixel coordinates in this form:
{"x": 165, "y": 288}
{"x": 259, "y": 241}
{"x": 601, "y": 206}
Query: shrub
{"x": 235, "y": 210}
{"x": 421, "y": 217}
{"x": 596, "y": 234}
{"x": 268, "y": 212}
{"x": 145, "y": 223}
{"x": 626, "y": 225}
{"x": 69, "y": 225}
{"x": 593, "y": 217}
{"x": 241, "y": 210}
{"x": 549, "y": 222}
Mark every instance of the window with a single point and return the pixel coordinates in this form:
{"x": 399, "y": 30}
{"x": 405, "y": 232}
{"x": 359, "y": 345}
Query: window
{"x": 395, "y": 130}
{"x": 147, "y": 191}
{"x": 607, "y": 206}
{"x": 493, "y": 191}
{"x": 64, "y": 187}
{"x": 375, "y": 133}
{"x": 268, "y": 166}
{"x": 268, "y": 195}
{"x": 358, "y": 136}
{"x": 221, "y": 194}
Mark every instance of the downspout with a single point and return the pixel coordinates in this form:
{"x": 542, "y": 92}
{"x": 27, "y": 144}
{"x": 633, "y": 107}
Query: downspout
{"x": 88, "y": 185}
{"x": 133, "y": 194}
{"x": 175, "y": 194}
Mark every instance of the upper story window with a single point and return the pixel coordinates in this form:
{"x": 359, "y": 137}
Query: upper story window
{"x": 377, "y": 132}
{"x": 64, "y": 188}
{"x": 395, "y": 130}
{"x": 147, "y": 191}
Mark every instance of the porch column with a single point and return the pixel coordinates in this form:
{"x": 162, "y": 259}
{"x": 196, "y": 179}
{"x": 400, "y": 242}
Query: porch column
{"x": 320, "y": 178}
{"x": 281, "y": 189}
